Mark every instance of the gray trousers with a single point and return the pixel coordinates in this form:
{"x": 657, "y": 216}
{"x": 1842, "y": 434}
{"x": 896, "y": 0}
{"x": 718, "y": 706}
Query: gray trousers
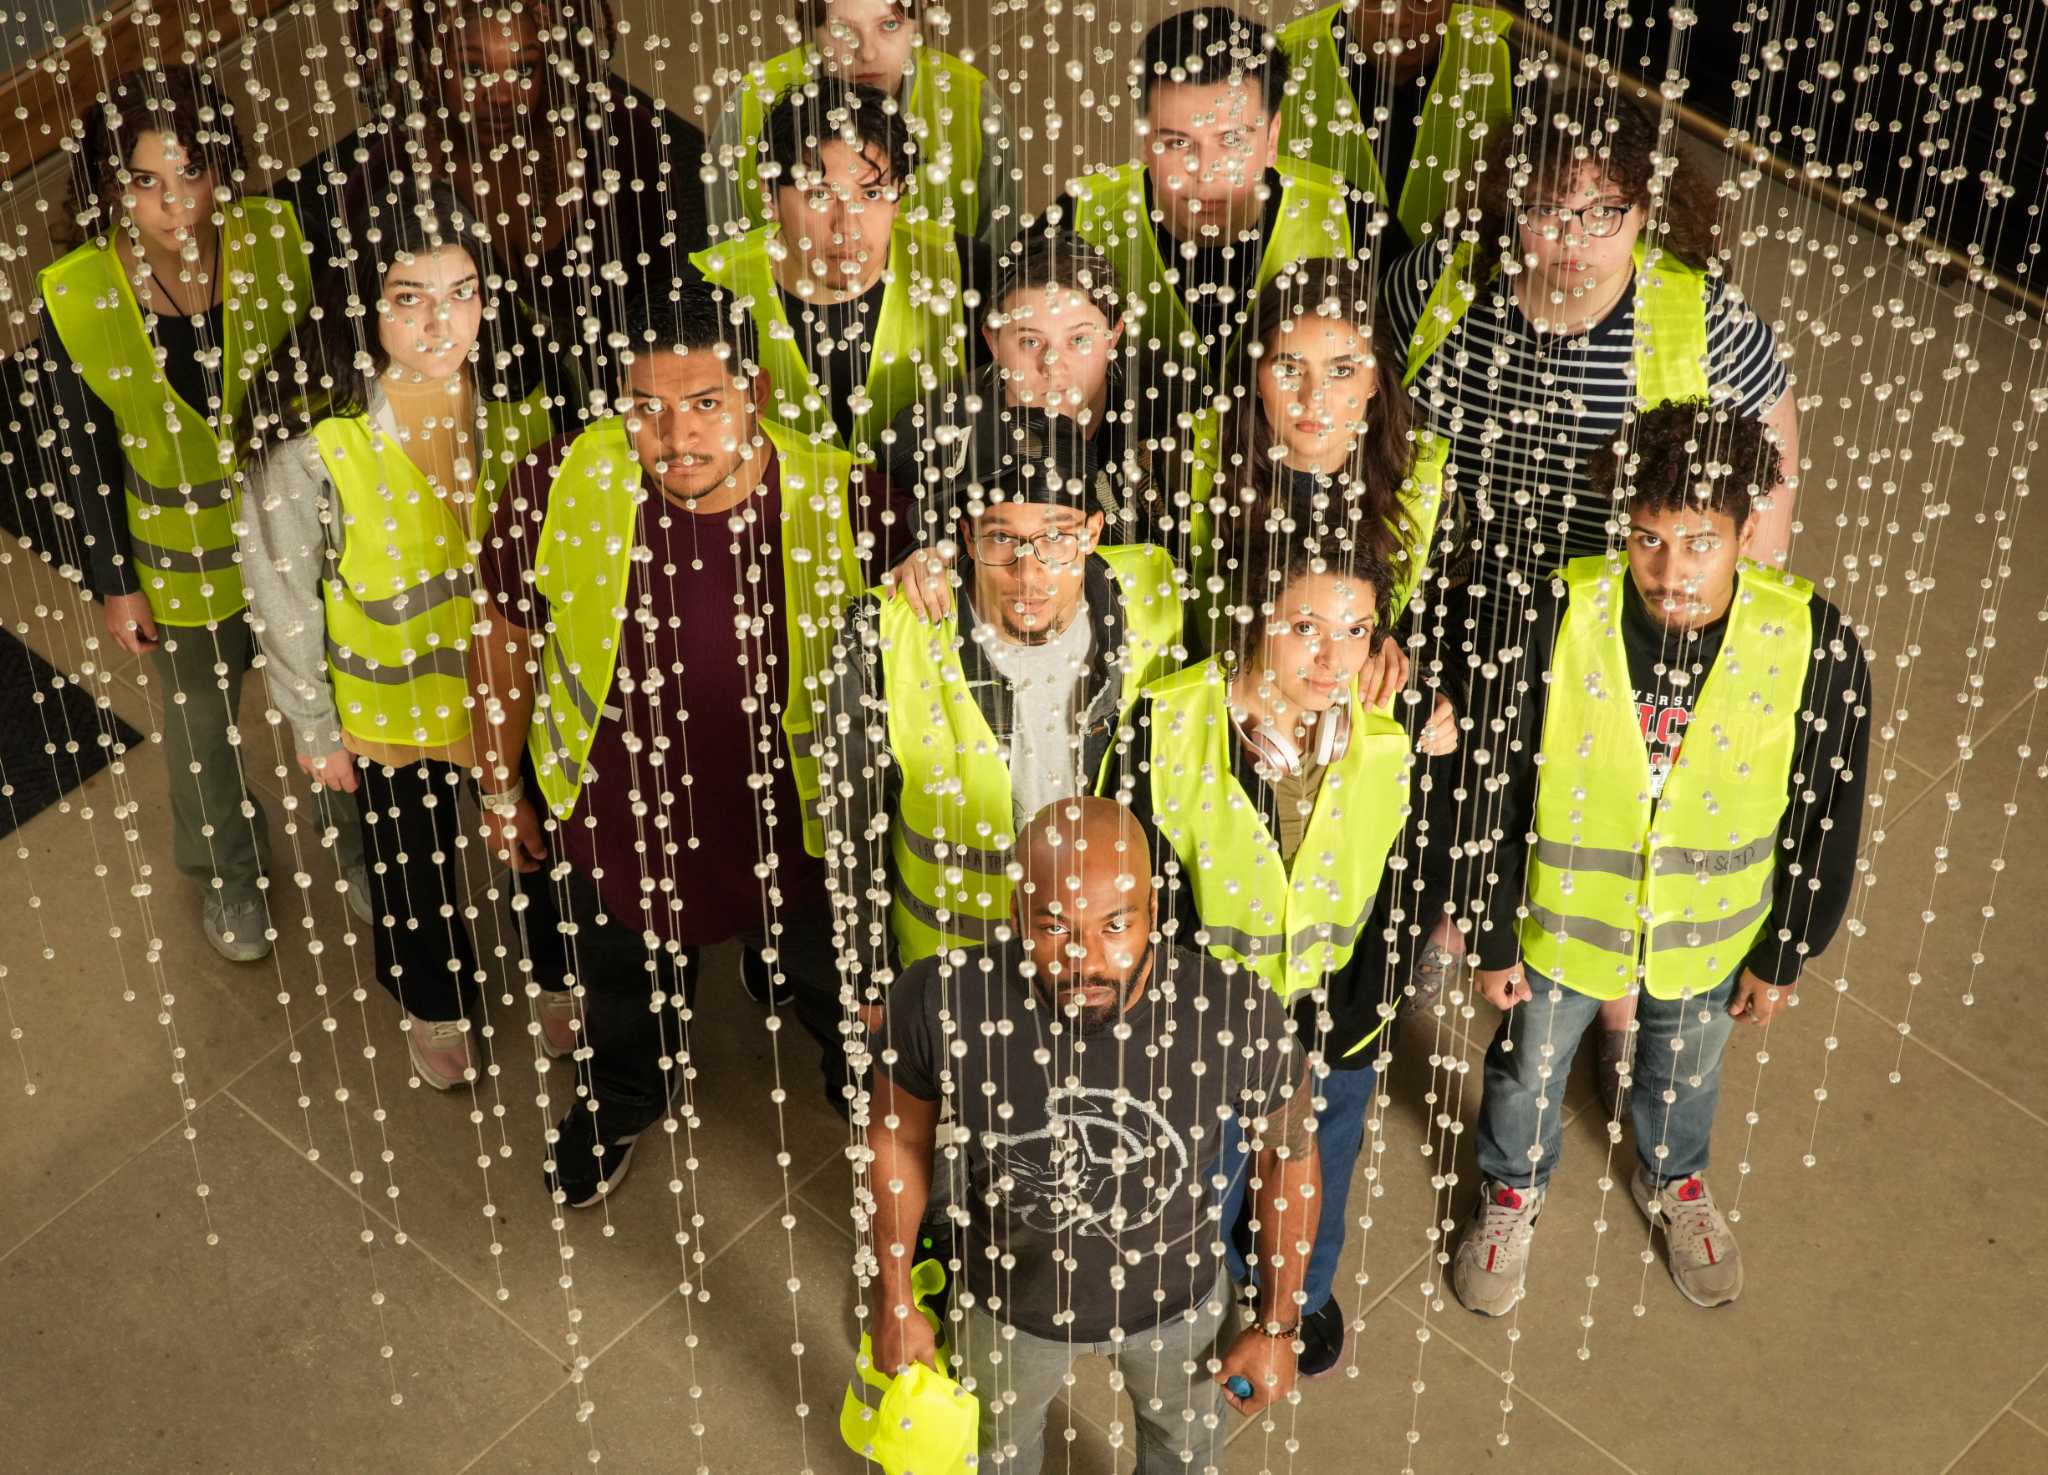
{"x": 219, "y": 834}
{"x": 1164, "y": 1369}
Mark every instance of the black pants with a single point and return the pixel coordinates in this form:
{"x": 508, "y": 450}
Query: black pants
{"x": 414, "y": 842}
{"x": 628, "y": 1031}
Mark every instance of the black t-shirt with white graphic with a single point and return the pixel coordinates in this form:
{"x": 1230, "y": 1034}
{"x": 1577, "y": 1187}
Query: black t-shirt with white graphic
{"x": 1090, "y": 1161}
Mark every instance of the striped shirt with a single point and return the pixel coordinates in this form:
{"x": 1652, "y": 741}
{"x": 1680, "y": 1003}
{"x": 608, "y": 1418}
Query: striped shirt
{"x": 1523, "y": 416}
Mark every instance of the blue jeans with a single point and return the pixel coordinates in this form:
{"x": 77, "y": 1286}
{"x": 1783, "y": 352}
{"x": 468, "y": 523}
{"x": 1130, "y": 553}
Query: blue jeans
{"x": 1340, "y": 1131}
{"x": 1679, "y": 1043}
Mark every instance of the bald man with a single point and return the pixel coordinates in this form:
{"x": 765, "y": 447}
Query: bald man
{"x": 1090, "y": 1067}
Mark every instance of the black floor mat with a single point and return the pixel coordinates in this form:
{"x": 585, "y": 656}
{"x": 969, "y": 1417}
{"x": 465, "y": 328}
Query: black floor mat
{"x": 38, "y": 708}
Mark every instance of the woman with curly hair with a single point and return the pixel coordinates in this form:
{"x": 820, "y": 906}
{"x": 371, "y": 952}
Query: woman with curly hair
{"x": 1594, "y": 285}
{"x": 150, "y": 330}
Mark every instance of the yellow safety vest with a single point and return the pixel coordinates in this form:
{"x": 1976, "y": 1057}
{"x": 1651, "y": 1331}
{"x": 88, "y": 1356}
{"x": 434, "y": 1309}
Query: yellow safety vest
{"x": 1421, "y": 506}
{"x": 952, "y": 839}
{"x": 1675, "y": 888}
{"x": 1469, "y": 97}
{"x": 919, "y": 338}
{"x": 398, "y": 603}
{"x": 183, "y": 492}
{"x": 1670, "y": 324}
{"x": 1110, "y": 213}
{"x": 944, "y": 114}
{"x": 582, "y": 564}
{"x": 1292, "y": 927}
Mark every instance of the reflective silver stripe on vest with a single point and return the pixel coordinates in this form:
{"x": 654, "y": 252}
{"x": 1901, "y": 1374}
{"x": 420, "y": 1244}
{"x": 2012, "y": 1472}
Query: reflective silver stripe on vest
{"x": 1668, "y": 860}
{"x": 1670, "y": 936}
{"x": 1562, "y": 856}
{"x": 558, "y": 747}
{"x": 441, "y": 661}
{"x": 410, "y": 604}
{"x": 142, "y": 489}
{"x": 572, "y": 686}
{"x": 170, "y": 560}
{"x": 1344, "y": 936}
{"x": 1242, "y": 943}
{"x": 1584, "y": 929}
{"x": 956, "y": 852}
{"x": 976, "y": 929}
{"x": 802, "y": 744}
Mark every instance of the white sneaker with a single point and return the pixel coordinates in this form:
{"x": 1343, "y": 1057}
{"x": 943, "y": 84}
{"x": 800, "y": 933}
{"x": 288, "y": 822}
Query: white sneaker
{"x": 440, "y": 1051}
{"x": 237, "y": 930}
{"x": 1706, "y": 1265}
{"x": 1493, "y": 1257}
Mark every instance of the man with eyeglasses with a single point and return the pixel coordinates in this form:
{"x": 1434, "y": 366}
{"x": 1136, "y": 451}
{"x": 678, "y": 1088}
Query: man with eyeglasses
{"x": 859, "y": 300}
{"x": 952, "y": 731}
{"x": 643, "y": 587}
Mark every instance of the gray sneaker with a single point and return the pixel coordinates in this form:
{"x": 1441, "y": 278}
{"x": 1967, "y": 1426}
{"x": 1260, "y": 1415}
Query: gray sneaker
{"x": 358, "y": 878}
{"x": 1706, "y": 1265}
{"x": 236, "y": 927}
{"x": 1493, "y": 1257}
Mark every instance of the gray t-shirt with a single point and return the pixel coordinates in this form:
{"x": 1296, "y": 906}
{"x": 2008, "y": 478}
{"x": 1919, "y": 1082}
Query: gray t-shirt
{"x": 1045, "y": 748}
{"x": 1091, "y": 1160}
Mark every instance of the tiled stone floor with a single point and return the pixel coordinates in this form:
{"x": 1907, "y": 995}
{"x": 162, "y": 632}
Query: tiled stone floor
{"x": 396, "y": 1243}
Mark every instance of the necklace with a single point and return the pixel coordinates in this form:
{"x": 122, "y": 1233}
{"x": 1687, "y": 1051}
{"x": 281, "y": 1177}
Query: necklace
{"x": 159, "y": 286}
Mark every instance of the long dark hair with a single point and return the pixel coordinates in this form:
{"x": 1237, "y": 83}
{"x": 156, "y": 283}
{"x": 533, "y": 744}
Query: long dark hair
{"x": 1249, "y": 478}
{"x": 326, "y": 370}
{"x": 1567, "y": 124}
{"x": 179, "y": 100}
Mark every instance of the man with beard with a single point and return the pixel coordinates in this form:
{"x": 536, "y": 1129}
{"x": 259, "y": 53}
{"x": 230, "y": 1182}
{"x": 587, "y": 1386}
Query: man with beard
{"x": 644, "y": 584}
{"x": 951, "y": 732}
{"x": 1090, "y": 1068}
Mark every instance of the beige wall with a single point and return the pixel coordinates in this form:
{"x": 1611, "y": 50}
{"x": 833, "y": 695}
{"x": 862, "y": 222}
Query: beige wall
{"x": 1062, "y": 64}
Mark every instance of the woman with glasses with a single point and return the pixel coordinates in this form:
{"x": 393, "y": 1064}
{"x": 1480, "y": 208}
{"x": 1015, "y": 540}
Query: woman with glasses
{"x": 1583, "y": 298}
{"x": 379, "y": 443}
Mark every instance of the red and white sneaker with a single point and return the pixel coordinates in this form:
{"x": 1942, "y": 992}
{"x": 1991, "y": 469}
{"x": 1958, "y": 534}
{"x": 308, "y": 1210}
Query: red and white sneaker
{"x": 1493, "y": 1257}
{"x": 1706, "y": 1266}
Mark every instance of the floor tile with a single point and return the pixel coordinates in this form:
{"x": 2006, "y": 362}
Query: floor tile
{"x": 1906, "y": 969}
{"x": 713, "y": 1384}
{"x": 101, "y": 1062}
{"x": 259, "y": 1353}
{"x": 2032, "y": 1404}
{"x": 1845, "y": 1352}
{"x": 1924, "y": 648}
{"x": 2009, "y": 1447}
{"x": 623, "y": 1256}
{"x": 1404, "y": 1385}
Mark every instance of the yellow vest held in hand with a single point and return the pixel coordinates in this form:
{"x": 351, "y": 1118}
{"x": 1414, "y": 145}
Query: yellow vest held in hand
{"x": 183, "y": 492}
{"x": 1111, "y": 214}
{"x": 1295, "y": 926}
{"x": 919, "y": 1422}
{"x": 919, "y": 336}
{"x": 398, "y": 605}
{"x": 953, "y": 838}
{"x": 1670, "y": 324}
{"x": 582, "y": 564}
{"x": 944, "y": 113}
{"x": 1678, "y": 886}
{"x": 1469, "y": 100}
